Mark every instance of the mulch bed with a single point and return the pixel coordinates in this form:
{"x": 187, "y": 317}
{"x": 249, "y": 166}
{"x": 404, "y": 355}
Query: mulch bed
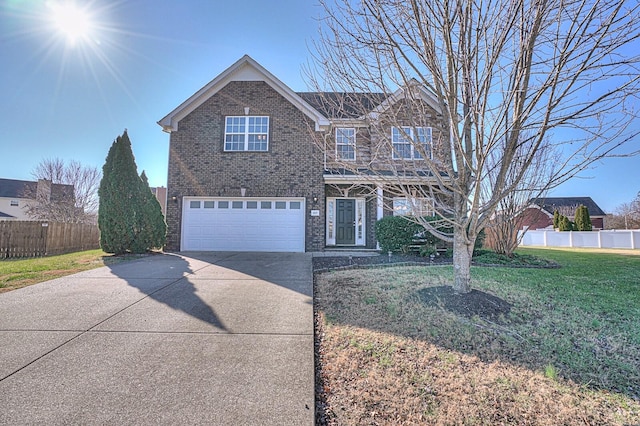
{"x": 475, "y": 303}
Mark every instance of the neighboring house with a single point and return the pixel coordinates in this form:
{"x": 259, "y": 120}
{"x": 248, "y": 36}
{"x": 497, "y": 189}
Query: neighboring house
{"x": 246, "y": 171}
{"x": 17, "y": 195}
{"x": 161, "y": 195}
{"x": 539, "y": 214}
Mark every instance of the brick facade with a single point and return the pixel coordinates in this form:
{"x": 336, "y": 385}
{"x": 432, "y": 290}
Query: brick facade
{"x": 373, "y": 139}
{"x": 292, "y": 166}
{"x": 300, "y": 160}
{"x": 533, "y": 218}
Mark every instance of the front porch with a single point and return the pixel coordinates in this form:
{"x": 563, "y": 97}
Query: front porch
{"x": 351, "y": 214}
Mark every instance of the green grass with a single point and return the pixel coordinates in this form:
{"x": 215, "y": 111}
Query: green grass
{"x": 586, "y": 313}
{"x": 488, "y": 257}
{"x": 17, "y": 273}
{"x": 578, "y": 324}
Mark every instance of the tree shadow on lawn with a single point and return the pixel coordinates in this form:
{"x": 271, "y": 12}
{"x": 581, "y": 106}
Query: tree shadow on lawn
{"x": 483, "y": 325}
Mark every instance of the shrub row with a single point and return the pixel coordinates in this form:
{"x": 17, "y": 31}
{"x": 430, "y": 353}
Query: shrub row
{"x": 398, "y": 234}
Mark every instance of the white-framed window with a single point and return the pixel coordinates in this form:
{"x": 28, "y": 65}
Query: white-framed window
{"x": 412, "y": 207}
{"x": 407, "y": 140}
{"x": 246, "y": 133}
{"x": 346, "y": 143}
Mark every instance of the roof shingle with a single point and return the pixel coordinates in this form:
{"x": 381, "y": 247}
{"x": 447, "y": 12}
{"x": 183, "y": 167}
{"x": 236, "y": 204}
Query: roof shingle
{"x": 550, "y": 204}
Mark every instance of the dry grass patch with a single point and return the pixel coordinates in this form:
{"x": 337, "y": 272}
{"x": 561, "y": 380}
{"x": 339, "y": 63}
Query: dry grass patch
{"x": 388, "y": 355}
{"x": 17, "y": 273}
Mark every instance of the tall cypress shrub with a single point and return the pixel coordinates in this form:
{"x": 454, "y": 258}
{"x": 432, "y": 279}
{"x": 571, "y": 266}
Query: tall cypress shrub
{"x": 120, "y": 200}
{"x": 152, "y": 226}
{"x": 556, "y": 219}
{"x": 564, "y": 224}
{"x": 582, "y": 219}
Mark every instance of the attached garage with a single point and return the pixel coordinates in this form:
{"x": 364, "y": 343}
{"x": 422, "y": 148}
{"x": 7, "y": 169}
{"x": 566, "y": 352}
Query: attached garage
{"x": 243, "y": 224}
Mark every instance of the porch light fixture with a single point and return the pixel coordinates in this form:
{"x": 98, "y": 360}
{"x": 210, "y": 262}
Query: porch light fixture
{"x": 175, "y": 199}
{"x": 243, "y": 192}
{"x": 246, "y": 110}
{"x": 315, "y": 200}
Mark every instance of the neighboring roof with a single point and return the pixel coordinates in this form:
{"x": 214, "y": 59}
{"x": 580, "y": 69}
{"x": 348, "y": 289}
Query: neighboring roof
{"x": 343, "y": 104}
{"x": 245, "y": 69}
{"x": 4, "y": 215}
{"x": 550, "y": 204}
{"x": 13, "y": 188}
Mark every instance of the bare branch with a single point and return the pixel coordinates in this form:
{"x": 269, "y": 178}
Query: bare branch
{"x": 501, "y": 83}
{"x": 67, "y": 192}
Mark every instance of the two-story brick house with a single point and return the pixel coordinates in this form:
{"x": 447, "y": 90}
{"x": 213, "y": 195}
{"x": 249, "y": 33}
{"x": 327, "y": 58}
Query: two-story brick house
{"x": 255, "y": 166}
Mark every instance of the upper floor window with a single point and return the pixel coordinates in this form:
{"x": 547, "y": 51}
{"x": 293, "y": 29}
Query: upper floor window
{"x": 246, "y": 133}
{"x": 407, "y": 140}
{"x": 14, "y": 203}
{"x": 346, "y": 144}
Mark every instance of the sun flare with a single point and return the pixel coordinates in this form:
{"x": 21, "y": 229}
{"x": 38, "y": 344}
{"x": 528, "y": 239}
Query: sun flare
{"x": 71, "y": 21}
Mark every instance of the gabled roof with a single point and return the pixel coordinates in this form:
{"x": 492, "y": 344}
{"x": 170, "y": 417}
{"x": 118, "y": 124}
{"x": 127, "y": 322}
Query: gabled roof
{"x": 5, "y": 215}
{"x": 343, "y": 105}
{"x": 245, "y": 69}
{"x": 356, "y": 105}
{"x": 419, "y": 91}
{"x": 550, "y": 204}
{"x": 13, "y": 188}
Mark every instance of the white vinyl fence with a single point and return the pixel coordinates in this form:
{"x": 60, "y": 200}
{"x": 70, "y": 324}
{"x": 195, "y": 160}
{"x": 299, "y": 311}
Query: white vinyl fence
{"x": 628, "y": 239}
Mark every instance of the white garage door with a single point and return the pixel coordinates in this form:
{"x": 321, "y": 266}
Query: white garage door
{"x": 248, "y": 224}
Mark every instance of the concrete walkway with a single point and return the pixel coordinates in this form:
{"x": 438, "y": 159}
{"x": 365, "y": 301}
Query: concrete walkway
{"x": 192, "y": 338}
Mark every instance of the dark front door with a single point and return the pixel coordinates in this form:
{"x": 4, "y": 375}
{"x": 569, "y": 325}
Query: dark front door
{"x": 346, "y": 222}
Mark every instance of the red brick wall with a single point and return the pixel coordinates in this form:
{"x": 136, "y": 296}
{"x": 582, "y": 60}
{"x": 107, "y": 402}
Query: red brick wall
{"x": 535, "y": 219}
{"x": 292, "y": 167}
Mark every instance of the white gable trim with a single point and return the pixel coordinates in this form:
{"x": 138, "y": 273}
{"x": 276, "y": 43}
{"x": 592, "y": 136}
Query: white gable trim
{"x": 536, "y": 206}
{"x": 424, "y": 94}
{"x": 245, "y": 69}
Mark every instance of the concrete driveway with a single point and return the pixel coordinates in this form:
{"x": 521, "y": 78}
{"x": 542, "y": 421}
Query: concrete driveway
{"x": 190, "y": 338}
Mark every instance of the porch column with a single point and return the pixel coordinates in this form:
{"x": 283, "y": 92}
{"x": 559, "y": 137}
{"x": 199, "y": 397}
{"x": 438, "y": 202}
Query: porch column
{"x": 379, "y": 207}
{"x": 380, "y": 202}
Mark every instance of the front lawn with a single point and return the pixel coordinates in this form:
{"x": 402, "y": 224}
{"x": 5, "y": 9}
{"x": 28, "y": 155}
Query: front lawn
{"x": 528, "y": 346}
{"x": 16, "y": 273}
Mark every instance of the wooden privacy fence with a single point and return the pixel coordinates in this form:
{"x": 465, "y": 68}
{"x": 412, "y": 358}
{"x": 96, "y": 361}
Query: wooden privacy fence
{"x": 35, "y": 238}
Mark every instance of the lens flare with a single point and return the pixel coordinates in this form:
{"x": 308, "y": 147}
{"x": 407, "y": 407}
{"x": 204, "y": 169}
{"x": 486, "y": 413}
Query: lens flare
{"x": 73, "y": 22}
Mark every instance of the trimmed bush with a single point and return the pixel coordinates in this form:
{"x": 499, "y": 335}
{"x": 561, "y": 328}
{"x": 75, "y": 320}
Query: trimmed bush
{"x": 564, "y": 224}
{"x": 396, "y": 234}
{"x": 582, "y": 219}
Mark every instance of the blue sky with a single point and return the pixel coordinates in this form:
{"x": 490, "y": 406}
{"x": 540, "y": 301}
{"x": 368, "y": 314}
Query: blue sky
{"x": 142, "y": 58}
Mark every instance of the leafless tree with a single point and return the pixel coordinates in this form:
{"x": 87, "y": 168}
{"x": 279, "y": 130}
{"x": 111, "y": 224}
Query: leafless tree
{"x": 504, "y": 231}
{"x": 626, "y": 216}
{"x": 77, "y": 202}
{"x": 495, "y": 70}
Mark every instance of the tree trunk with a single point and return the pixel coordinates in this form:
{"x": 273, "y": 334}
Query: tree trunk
{"x": 462, "y": 253}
